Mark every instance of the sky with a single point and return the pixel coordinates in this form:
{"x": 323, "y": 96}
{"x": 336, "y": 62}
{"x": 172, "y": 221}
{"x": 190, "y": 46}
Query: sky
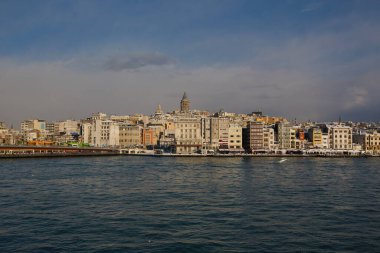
{"x": 310, "y": 60}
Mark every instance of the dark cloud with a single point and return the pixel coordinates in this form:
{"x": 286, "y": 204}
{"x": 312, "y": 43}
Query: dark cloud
{"x": 137, "y": 61}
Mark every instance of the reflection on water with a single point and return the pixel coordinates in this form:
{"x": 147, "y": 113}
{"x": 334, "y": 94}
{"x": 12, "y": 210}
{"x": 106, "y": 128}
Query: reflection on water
{"x": 145, "y": 204}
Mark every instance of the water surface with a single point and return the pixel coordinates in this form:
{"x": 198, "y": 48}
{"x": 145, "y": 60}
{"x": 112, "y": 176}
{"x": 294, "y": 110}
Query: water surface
{"x": 147, "y": 204}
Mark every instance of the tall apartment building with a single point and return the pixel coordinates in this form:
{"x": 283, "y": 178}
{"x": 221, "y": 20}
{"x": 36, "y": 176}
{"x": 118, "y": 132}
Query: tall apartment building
{"x": 86, "y": 132}
{"x": 210, "y": 133}
{"x": 287, "y": 136}
{"x": 268, "y": 139}
{"x": 254, "y": 136}
{"x": 223, "y": 129}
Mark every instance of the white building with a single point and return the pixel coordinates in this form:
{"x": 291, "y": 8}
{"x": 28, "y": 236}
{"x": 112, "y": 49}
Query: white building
{"x": 104, "y": 133}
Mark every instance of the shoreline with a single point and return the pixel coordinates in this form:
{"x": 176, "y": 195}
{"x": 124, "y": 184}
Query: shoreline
{"x": 66, "y": 155}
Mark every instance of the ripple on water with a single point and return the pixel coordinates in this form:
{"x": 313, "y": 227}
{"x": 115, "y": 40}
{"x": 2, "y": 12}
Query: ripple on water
{"x": 144, "y": 204}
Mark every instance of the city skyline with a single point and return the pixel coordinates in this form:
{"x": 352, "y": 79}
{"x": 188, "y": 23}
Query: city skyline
{"x": 314, "y": 60}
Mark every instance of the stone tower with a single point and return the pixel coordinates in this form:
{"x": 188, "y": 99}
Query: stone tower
{"x": 158, "y": 111}
{"x": 185, "y": 103}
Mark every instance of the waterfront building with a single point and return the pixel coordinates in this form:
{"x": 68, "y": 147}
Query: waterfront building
{"x": 130, "y": 135}
{"x": 149, "y": 137}
{"x": 316, "y": 137}
{"x": 340, "y": 137}
{"x": 370, "y": 141}
{"x": 104, "y": 133}
{"x": 223, "y": 129}
{"x": 210, "y": 133}
{"x": 6, "y": 136}
{"x": 188, "y": 137}
{"x": 286, "y": 136}
{"x": 325, "y": 140}
{"x": 253, "y": 140}
{"x": 268, "y": 139}
{"x": 235, "y": 144}
{"x": 86, "y": 136}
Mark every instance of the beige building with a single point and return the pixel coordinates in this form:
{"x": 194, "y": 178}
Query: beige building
{"x": 66, "y": 126}
{"x": 235, "y": 138}
{"x": 130, "y": 135}
{"x": 316, "y": 138}
{"x": 86, "y": 132}
{"x": 370, "y": 141}
{"x": 286, "y": 136}
{"x": 34, "y": 124}
{"x": 325, "y": 140}
{"x": 188, "y": 137}
{"x": 340, "y": 137}
{"x": 268, "y": 138}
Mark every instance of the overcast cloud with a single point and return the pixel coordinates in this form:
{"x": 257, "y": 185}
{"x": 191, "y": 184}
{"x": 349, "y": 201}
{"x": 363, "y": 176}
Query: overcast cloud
{"x": 325, "y": 69}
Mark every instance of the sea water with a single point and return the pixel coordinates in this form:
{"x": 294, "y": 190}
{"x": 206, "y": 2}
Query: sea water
{"x": 175, "y": 204}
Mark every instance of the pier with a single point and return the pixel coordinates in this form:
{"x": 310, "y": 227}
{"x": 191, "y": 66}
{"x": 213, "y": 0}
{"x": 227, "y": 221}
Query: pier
{"x": 53, "y": 151}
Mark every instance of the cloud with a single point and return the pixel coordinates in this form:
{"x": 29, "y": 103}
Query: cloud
{"x": 136, "y": 61}
{"x": 357, "y": 97}
{"x": 319, "y": 75}
{"x": 312, "y": 7}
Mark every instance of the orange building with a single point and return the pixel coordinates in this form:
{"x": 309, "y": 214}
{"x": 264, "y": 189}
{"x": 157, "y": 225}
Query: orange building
{"x": 149, "y": 137}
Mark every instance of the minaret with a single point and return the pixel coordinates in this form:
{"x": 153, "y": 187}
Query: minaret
{"x": 185, "y": 103}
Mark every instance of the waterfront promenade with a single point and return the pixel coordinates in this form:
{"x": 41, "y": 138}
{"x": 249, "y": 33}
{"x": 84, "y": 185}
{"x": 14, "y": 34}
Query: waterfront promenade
{"x": 56, "y": 151}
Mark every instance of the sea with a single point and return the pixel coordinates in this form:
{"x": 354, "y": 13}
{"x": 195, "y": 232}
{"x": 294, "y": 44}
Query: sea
{"x": 193, "y": 204}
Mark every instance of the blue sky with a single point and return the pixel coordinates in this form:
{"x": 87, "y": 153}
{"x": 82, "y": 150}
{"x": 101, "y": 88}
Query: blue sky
{"x": 301, "y": 59}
